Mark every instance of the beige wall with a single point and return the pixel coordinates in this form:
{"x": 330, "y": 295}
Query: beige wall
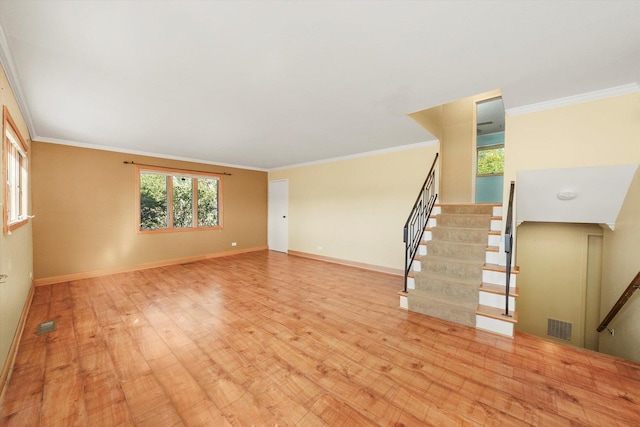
{"x": 16, "y": 249}
{"x": 553, "y": 262}
{"x": 603, "y": 132}
{"x": 621, "y": 264}
{"x": 355, "y": 209}
{"x": 85, "y": 206}
{"x": 454, "y": 125}
{"x": 458, "y": 152}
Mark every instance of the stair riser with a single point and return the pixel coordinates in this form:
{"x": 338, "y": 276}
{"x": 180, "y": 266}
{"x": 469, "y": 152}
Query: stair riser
{"x": 494, "y": 325}
{"x": 498, "y": 278}
{"x": 462, "y": 236}
{"x": 497, "y": 211}
{"x": 495, "y": 300}
{"x": 494, "y": 240}
{"x": 411, "y": 283}
{"x": 495, "y": 258}
{"x": 404, "y": 302}
{"x": 443, "y": 312}
{"x": 460, "y": 292}
{"x": 483, "y": 222}
{"x": 467, "y": 209}
{"x": 453, "y": 270}
{"x": 455, "y": 250}
{"x": 496, "y": 224}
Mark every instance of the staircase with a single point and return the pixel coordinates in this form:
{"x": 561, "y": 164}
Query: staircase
{"x": 458, "y": 273}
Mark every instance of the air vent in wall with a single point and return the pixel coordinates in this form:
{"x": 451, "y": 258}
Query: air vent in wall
{"x": 559, "y": 329}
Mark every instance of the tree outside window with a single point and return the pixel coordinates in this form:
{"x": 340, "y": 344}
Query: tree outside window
{"x": 171, "y": 201}
{"x": 491, "y": 160}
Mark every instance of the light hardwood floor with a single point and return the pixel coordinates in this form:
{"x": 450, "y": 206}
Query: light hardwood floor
{"x": 270, "y": 339}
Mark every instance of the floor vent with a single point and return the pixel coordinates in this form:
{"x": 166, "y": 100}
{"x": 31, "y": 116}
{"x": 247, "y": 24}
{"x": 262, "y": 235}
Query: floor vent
{"x": 559, "y": 329}
{"x": 46, "y": 327}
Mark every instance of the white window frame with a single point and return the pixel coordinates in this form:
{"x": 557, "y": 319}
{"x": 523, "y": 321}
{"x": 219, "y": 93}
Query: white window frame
{"x": 15, "y": 174}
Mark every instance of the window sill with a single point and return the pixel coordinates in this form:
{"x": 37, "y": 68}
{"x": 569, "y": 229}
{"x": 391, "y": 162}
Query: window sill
{"x": 8, "y": 228}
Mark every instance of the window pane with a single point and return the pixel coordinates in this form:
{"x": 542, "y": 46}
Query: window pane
{"x": 182, "y": 202}
{"x": 207, "y": 202}
{"x": 491, "y": 161}
{"x": 16, "y": 176}
{"x": 153, "y": 201}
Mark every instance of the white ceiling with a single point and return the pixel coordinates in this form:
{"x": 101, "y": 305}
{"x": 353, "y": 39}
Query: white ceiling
{"x": 266, "y": 84}
{"x": 580, "y": 195}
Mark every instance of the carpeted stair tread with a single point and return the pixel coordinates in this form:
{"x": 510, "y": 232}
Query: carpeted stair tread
{"x": 464, "y": 220}
{"x": 460, "y": 234}
{"x": 467, "y": 209}
{"x": 424, "y": 277}
{"x": 461, "y": 290}
{"x": 455, "y": 268}
{"x": 434, "y": 258}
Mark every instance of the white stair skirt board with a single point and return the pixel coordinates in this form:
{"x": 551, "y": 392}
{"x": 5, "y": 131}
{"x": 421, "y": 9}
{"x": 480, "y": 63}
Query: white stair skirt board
{"x": 494, "y": 325}
{"x": 496, "y": 225}
{"x": 404, "y": 302}
{"x": 497, "y": 278}
{"x": 411, "y": 284}
{"x": 496, "y": 300}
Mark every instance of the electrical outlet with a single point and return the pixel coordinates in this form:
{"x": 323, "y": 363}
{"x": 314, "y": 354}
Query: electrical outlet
{"x": 234, "y": 244}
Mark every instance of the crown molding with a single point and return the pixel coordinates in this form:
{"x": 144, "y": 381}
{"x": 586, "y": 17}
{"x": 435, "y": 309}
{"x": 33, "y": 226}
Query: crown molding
{"x": 356, "y": 156}
{"x": 574, "y": 99}
{"x": 142, "y": 153}
{"x": 10, "y": 71}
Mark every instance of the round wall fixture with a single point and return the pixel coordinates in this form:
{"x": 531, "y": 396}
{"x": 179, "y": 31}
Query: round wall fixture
{"x": 566, "y": 195}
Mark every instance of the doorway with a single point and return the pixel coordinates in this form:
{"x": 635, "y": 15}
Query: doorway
{"x": 593, "y": 288}
{"x": 489, "y": 150}
{"x": 278, "y": 234}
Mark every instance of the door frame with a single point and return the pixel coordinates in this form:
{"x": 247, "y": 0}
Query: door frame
{"x": 273, "y": 217}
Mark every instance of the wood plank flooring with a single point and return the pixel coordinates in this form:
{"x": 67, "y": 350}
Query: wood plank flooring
{"x": 269, "y": 339}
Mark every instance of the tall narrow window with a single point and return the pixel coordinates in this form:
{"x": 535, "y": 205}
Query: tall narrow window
{"x": 16, "y": 194}
{"x": 175, "y": 201}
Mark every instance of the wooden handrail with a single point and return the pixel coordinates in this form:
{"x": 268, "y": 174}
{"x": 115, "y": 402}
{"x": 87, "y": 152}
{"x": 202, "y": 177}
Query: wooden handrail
{"x": 633, "y": 286}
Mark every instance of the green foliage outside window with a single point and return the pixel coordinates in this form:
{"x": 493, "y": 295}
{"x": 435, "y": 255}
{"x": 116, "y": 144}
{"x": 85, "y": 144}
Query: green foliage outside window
{"x": 207, "y": 202}
{"x": 155, "y": 188}
{"x": 153, "y": 201}
{"x": 491, "y": 161}
{"x": 182, "y": 202}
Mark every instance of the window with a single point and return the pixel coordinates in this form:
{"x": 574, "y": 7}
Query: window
{"x": 491, "y": 160}
{"x": 15, "y": 175}
{"x": 171, "y": 200}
